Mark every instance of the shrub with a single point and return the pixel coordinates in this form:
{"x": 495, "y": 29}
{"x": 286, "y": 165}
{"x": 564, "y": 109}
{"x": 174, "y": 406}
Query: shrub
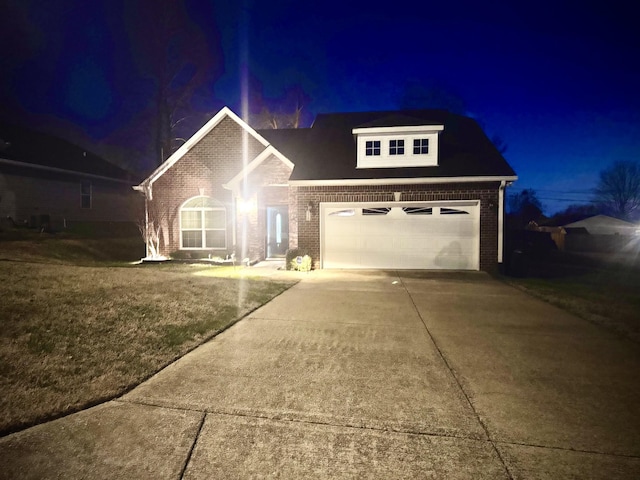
{"x": 291, "y": 260}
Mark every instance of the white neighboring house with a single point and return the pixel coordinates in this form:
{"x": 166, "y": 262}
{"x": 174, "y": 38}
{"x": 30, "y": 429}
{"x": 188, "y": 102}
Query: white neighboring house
{"x": 605, "y": 225}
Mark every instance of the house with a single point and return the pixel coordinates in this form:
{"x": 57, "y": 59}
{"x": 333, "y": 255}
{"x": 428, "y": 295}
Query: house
{"x": 419, "y": 189}
{"x": 603, "y": 225}
{"x": 46, "y": 182}
{"x": 601, "y": 233}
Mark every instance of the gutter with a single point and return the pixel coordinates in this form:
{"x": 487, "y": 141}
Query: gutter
{"x": 398, "y": 181}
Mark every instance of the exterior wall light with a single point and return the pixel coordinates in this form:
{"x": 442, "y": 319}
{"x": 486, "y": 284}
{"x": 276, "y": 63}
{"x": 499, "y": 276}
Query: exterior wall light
{"x": 309, "y": 210}
{"x": 246, "y": 205}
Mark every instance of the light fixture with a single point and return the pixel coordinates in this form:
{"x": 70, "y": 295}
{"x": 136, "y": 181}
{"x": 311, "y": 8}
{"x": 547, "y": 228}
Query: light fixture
{"x": 246, "y": 205}
{"x": 309, "y": 209}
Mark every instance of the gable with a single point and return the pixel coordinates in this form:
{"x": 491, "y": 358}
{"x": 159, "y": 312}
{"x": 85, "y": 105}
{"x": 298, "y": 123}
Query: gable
{"x": 229, "y": 139}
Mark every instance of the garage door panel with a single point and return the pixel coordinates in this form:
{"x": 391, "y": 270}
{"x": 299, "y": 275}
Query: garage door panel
{"x": 397, "y": 237}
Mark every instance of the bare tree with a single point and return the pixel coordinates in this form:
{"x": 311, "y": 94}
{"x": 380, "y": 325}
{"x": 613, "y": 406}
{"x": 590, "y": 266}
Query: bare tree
{"x": 150, "y": 227}
{"x": 524, "y": 207}
{"x": 175, "y": 55}
{"x": 618, "y": 189}
{"x": 285, "y": 111}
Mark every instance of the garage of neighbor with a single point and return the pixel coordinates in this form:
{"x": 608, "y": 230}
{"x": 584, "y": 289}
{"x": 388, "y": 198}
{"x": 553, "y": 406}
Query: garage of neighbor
{"x": 401, "y": 235}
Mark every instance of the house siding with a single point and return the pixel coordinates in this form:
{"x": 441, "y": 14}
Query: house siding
{"x": 308, "y": 235}
{"x": 30, "y": 196}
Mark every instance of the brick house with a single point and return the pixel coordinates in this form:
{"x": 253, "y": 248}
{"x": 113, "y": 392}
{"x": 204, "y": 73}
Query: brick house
{"x": 413, "y": 189}
{"x": 47, "y": 182}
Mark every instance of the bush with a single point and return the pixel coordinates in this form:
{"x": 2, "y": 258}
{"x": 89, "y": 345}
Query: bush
{"x": 292, "y": 260}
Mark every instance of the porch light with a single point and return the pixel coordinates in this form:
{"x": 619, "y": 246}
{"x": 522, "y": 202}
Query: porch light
{"x": 308, "y": 212}
{"x": 246, "y": 205}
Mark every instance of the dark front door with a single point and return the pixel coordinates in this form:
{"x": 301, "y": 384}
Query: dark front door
{"x": 277, "y": 231}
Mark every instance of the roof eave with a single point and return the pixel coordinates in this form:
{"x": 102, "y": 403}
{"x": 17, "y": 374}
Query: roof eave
{"x": 401, "y": 181}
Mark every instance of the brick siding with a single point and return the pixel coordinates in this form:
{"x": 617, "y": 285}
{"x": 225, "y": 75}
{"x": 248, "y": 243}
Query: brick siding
{"x": 487, "y": 193}
{"x": 212, "y": 162}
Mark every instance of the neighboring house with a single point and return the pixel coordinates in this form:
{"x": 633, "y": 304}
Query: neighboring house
{"x": 604, "y": 225}
{"x": 46, "y": 182}
{"x": 601, "y": 233}
{"x": 417, "y": 189}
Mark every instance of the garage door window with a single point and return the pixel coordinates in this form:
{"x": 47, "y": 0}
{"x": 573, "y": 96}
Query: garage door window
{"x": 418, "y": 210}
{"x": 452, "y": 211}
{"x": 375, "y": 211}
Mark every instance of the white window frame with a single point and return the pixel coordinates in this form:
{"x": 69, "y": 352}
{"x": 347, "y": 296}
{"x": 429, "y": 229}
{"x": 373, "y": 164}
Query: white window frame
{"x": 385, "y": 135}
{"x": 203, "y": 228}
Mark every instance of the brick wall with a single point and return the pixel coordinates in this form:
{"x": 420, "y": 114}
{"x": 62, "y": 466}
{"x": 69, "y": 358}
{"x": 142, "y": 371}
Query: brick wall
{"x": 268, "y": 182}
{"x": 308, "y": 235}
{"x": 215, "y": 160}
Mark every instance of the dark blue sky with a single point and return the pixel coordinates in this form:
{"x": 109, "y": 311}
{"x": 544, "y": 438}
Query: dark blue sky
{"x": 557, "y": 81}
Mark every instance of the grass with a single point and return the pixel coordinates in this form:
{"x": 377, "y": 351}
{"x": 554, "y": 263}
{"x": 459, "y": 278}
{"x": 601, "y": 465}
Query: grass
{"x": 79, "y": 327}
{"x": 596, "y": 289}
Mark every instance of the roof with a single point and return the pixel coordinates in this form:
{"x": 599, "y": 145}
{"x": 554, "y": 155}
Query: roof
{"x": 23, "y": 147}
{"x": 602, "y": 220}
{"x": 327, "y": 150}
{"x": 603, "y": 225}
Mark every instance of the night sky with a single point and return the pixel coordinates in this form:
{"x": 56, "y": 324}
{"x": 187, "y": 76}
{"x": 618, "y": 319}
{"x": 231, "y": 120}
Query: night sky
{"x": 557, "y": 82}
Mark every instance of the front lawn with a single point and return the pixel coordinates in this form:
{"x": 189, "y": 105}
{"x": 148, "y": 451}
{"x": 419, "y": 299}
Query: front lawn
{"x": 72, "y": 336}
{"x": 595, "y": 288}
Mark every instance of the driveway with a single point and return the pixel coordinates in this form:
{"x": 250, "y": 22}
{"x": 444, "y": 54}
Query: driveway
{"x": 369, "y": 375}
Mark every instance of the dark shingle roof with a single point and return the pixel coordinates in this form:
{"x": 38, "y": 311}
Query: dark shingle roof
{"x": 38, "y": 149}
{"x": 327, "y": 150}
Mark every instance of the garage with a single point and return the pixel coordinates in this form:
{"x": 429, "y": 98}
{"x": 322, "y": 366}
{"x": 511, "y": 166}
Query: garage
{"x": 401, "y": 235}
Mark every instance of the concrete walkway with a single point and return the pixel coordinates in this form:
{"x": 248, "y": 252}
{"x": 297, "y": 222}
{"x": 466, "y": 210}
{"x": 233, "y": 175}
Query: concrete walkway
{"x": 368, "y": 375}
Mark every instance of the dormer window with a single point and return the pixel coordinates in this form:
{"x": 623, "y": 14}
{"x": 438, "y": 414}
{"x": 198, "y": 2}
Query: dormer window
{"x": 421, "y": 146}
{"x": 395, "y": 147}
{"x": 373, "y": 148}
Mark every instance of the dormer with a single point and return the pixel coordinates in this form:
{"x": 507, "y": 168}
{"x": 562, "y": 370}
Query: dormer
{"x": 408, "y": 145}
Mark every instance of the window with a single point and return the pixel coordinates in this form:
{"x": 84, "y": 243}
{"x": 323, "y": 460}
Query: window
{"x": 372, "y": 148}
{"x": 376, "y": 211}
{"x": 85, "y": 194}
{"x": 203, "y": 224}
{"x": 418, "y": 210}
{"x": 396, "y": 147}
{"x": 452, "y": 211}
{"x": 421, "y": 146}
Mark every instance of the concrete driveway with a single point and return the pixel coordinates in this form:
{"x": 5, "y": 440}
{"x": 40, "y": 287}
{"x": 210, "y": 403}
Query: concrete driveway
{"x": 369, "y": 375}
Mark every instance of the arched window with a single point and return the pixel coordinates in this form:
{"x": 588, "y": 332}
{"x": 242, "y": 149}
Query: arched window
{"x": 203, "y": 224}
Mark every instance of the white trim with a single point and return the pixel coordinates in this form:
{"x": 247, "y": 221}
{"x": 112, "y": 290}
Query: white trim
{"x": 225, "y": 112}
{"x": 417, "y": 129}
{"x": 397, "y": 181}
{"x": 266, "y": 153}
{"x": 61, "y": 170}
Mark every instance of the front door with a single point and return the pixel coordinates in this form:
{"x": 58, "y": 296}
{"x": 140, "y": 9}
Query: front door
{"x": 277, "y": 231}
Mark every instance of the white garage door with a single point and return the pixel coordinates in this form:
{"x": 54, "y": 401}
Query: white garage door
{"x": 401, "y": 235}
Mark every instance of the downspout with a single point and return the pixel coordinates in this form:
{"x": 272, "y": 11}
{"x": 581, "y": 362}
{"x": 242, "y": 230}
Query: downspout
{"x": 503, "y": 184}
{"x": 234, "y": 214}
{"x": 146, "y": 226}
